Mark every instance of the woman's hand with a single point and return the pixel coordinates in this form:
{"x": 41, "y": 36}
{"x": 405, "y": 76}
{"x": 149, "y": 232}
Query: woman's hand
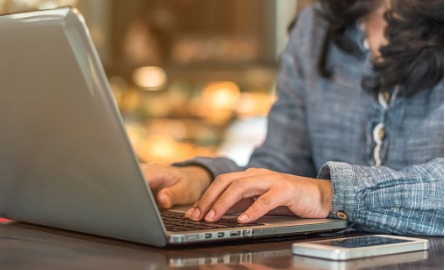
{"x": 266, "y": 191}
{"x": 176, "y": 185}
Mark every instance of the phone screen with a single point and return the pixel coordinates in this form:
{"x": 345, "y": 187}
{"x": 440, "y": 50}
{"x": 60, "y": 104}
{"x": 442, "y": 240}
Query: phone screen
{"x": 362, "y": 241}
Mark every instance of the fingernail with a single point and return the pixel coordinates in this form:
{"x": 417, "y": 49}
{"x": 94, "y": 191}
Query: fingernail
{"x": 189, "y": 212}
{"x": 243, "y": 218}
{"x": 210, "y": 215}
{"x": 196, "y": 213}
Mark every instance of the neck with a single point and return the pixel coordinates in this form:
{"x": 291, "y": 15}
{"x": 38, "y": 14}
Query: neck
{"x": 374, "y": 26}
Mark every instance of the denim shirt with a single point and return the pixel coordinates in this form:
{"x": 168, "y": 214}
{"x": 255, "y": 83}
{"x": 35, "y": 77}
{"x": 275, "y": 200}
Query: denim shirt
{"x": 384, "y": 156}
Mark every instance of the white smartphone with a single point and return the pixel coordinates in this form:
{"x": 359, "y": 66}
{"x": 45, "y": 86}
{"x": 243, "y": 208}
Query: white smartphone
{"x": 346, "y": 248}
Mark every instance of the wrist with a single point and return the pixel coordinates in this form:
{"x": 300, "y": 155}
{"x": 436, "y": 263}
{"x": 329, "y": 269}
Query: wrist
{"x": 325, "y": 189}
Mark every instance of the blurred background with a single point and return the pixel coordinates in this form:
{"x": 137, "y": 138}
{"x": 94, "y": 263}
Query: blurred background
{"x": 190, "y": 77}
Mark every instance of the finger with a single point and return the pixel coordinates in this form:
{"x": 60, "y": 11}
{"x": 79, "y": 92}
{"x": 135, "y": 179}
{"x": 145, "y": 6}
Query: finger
{"x": 239, "y": 189}
{"x": 189, "y": 212}
{"x": 215, "y": 190}
{"x": 178, "y": 193}
{"x": 260, "y": 207}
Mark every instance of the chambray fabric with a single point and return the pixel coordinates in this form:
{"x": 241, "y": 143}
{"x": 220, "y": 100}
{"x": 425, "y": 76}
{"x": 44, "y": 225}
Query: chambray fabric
{"x": 324, "y": 128}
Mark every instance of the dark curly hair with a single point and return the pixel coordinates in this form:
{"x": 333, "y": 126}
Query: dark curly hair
{"x": 413, "y": 58}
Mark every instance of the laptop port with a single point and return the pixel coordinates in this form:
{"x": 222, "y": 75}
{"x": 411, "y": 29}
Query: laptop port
{"x": 208, "y": 235}
{"x": 235, "y": 233}
{"x": 221, "y": 234}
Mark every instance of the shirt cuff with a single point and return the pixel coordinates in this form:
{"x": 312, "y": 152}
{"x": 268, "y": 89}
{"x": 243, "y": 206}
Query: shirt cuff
{"x": 344, "y": 189}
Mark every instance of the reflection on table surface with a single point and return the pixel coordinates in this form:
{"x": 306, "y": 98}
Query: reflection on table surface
{"x": 25, "y": 246}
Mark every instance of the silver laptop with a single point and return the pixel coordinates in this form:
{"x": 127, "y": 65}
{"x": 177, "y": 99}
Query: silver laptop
{"x": 65, "y": 158}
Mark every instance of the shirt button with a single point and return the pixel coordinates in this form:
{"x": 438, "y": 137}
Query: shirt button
{"x": 342, "y": 215}
{"x": 386, "y": 96}
{"x": 379, "y": 133}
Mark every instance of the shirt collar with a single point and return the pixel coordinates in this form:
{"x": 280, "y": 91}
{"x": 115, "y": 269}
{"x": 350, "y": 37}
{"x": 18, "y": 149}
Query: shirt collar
{"x": 357, "y": 36}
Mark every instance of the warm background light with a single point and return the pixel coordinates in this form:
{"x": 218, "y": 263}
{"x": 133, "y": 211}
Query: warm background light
{"x": 190, "y": 78}
{"x": 150, "y": 77}
{"x": 217, "y": 102}
{"x": 221, "y": 95}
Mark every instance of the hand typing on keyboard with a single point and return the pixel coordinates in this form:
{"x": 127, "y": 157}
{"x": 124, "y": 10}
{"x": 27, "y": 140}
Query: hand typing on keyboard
{"x": 254, "y": 192}
{"x": 260, "y": 191}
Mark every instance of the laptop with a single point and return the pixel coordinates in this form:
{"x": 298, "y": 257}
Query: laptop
{"x": 65, "y": 159}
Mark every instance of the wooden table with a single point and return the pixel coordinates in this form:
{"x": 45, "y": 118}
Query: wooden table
{"x": 25, "y": 246}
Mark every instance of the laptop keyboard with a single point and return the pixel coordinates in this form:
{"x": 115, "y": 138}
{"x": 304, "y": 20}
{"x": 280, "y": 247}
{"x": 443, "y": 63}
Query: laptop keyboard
{"x": 176, "y": 222}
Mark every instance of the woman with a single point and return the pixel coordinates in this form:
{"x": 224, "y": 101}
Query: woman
{"x": 356, "y": 133}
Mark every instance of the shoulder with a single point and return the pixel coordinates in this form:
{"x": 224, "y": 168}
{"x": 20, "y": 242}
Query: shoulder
{"x": 310, "y": 26}
{"x": 311, "y": 17}
{"x": 307, "y": 34}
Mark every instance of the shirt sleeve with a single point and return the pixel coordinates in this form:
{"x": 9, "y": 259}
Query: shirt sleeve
{"x": 214, "y": 165}
{"x": 379, "y": 199}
